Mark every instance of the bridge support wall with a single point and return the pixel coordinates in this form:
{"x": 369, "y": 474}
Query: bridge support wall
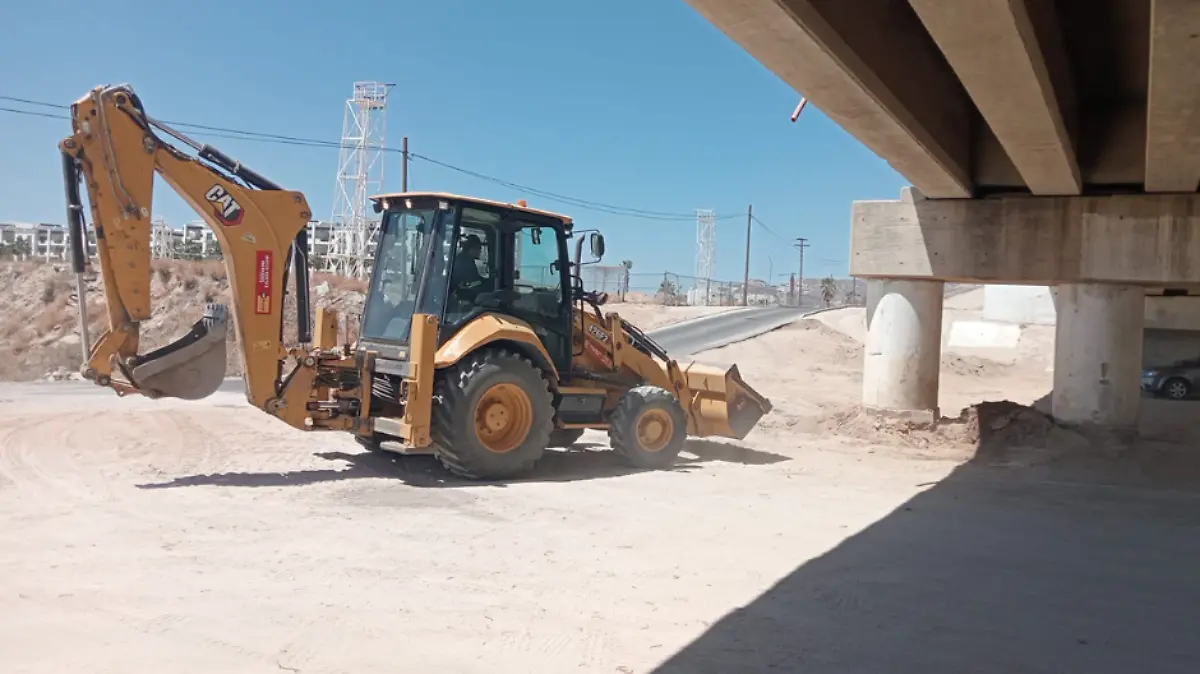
{"x": 1100, "y": 254}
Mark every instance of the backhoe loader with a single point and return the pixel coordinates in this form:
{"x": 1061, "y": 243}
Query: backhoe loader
{"x": 478, "y": 342}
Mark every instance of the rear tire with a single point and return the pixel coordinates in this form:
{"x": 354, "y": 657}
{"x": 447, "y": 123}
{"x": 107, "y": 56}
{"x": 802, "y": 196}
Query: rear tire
{"x": 1177, "y": 388}
{"x": 564, "y": 437}
{"x": 492, "y": 416}
{"x": 648, "y": 427}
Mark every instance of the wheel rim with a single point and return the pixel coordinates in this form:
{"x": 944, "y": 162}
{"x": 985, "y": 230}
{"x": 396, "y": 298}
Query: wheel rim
{"x": 1176, "y": 389}
{"x": 655, "y": 428}
{"x": 503, "y": 418}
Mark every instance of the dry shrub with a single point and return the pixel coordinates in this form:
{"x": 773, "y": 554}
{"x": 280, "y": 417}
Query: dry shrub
{"x": 50, "y": 289}
{"x": 213, "y": 269}
{"x": 340, "y": 283}
{"x": 52, "y": 317}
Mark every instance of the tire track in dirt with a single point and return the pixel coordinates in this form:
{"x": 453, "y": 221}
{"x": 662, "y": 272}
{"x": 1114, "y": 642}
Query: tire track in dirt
{"x": 36, "y": 455}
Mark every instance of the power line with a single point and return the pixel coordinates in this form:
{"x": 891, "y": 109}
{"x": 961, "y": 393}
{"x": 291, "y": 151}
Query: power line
{"x": 27, "y": 101}
{"x": 239, "y": 134}
{"x": 33, "y": 114}
{"x": 769, "y": 230}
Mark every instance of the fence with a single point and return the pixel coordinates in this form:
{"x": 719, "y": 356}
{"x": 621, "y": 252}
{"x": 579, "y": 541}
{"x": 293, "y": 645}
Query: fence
{"x": 668, "y": 288}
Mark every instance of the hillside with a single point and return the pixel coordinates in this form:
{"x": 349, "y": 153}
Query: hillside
{"x": 39, "y": 311}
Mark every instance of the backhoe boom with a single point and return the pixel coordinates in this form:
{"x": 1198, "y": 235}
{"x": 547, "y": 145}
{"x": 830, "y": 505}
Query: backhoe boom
{"x": 259, "y": 226}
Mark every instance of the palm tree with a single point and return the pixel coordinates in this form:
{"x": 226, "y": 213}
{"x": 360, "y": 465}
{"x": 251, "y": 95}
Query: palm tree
{"x": 669, "y": 291}
{"x": 828, "y": 289}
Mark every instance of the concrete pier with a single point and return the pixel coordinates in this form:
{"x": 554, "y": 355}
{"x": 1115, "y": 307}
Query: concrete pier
{"x": 1098, "y": 354}
{"x": 904, "y": 344}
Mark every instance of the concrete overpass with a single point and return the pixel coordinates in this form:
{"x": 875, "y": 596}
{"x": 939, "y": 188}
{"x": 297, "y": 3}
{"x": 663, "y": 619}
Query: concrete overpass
{"x": 1048, "y": 142}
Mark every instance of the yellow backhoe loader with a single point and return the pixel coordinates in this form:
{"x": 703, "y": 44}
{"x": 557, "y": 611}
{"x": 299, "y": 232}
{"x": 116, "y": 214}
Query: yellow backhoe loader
{"x": 478, "y": 342}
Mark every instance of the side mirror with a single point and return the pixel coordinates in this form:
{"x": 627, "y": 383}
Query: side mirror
{"x": 596, "y": 243}
{"x": 377, "y": 206}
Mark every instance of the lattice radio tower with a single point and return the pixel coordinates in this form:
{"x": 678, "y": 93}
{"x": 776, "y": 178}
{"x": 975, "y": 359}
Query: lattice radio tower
{"x": 706, "y": 253}
{"x": 360, "y": 174}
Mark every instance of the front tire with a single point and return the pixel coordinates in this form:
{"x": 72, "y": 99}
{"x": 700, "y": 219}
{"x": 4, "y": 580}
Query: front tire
{"x": 492, "y": 416}
{"x": 648, "y": 427}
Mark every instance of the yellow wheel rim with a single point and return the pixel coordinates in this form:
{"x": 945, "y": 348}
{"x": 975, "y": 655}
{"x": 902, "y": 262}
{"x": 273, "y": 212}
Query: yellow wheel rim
{"x": 655, "y": 428}
{"x": 503, "y": 418}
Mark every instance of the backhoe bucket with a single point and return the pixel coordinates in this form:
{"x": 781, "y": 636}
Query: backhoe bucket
{"x": 722, "y": 404}
{"x": 193, "y": 366}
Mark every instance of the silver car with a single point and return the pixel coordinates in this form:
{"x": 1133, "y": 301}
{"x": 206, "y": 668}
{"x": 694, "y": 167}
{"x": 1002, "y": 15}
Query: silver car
{"x": 1176, "y": 381}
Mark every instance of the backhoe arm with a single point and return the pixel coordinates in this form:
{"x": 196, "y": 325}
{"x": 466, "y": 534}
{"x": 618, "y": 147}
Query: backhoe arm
{"x": 260, "y": 228}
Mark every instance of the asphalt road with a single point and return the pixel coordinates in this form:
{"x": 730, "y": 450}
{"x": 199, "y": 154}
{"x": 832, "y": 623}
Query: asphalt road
{"x": 690, "y": 337}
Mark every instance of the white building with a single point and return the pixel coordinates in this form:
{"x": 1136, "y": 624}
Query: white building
{"x": 42, "y": 240}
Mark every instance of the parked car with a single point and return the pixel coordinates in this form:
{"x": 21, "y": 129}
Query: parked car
{"x": 1176, "y": 381}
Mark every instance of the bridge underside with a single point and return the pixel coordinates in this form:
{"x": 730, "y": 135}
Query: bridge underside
{"x": 1049, "y": 142}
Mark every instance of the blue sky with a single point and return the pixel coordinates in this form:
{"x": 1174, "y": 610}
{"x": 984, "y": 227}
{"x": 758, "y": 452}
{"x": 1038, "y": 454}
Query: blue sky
{"x": 636, "y": 103}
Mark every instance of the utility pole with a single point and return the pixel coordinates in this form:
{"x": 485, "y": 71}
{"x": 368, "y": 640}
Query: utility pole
{"x": 746, "y": 280}
{"x": 801, "y": 243}
{"x": 404, "y": 170}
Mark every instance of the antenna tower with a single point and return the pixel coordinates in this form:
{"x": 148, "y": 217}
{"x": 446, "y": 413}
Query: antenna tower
{"x": 706, "y": 253}
{"x": 360, "y": 174}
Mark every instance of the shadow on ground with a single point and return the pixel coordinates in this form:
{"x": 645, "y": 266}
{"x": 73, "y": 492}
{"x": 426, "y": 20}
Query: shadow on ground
{"x": 584, "y": 461}
{"x": 991, "y": 570}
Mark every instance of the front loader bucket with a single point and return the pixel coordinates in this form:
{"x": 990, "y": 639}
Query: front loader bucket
{"x": 193, "y": 366}
{"x": 722, "y": 404}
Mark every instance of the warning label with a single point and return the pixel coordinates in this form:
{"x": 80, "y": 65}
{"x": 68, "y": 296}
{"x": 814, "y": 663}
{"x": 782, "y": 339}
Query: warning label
{"x": 262, "y": 282}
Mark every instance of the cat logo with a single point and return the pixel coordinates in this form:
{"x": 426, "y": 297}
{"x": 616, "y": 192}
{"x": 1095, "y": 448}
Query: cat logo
{"x": 228, "y": 210}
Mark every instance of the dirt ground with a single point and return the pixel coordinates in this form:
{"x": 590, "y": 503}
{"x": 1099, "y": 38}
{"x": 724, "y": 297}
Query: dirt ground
{"x": 199, "y": 537}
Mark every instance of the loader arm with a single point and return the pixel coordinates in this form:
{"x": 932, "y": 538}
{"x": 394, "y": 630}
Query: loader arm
{"x": 260, "y": 228}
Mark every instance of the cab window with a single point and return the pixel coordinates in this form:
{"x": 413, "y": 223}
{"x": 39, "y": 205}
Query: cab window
{"x": 537, "y": 278}
{"x": 473, "y": 271}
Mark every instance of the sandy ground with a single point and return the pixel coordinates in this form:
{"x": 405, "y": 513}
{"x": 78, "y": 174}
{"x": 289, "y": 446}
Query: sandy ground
{"x": 200, "y": 537}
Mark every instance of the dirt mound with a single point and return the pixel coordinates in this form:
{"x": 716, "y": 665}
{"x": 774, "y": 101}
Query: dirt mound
{"x": 836, "y": 348}
{"x": 39, "y": 314}
{"x": 987, "y": 428}
{"x": 972, "y": 366}
{"x": 995, "y": 425}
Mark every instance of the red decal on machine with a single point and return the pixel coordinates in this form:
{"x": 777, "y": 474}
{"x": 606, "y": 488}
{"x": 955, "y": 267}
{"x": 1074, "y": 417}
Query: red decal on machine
{"x": 226, "y": 208}
{"x": 262, "y": 282}
{"x": 598, "y": 353}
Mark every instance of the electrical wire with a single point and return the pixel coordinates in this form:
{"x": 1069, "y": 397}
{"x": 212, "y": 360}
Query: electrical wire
{"x": 33, "y": 113}
{"x": 768, "y": 230}
{"x": 239, "y": 134}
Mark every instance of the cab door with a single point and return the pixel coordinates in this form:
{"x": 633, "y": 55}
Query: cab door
{"x": 539, "y": 285}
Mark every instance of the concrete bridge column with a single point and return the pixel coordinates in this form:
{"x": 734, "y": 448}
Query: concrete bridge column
{"x": 1098, "y": 354}
{"x": 904, "y": 345}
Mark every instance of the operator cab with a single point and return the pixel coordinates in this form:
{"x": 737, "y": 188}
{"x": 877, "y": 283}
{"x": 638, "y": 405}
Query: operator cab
{"x": 459, "y": 257}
